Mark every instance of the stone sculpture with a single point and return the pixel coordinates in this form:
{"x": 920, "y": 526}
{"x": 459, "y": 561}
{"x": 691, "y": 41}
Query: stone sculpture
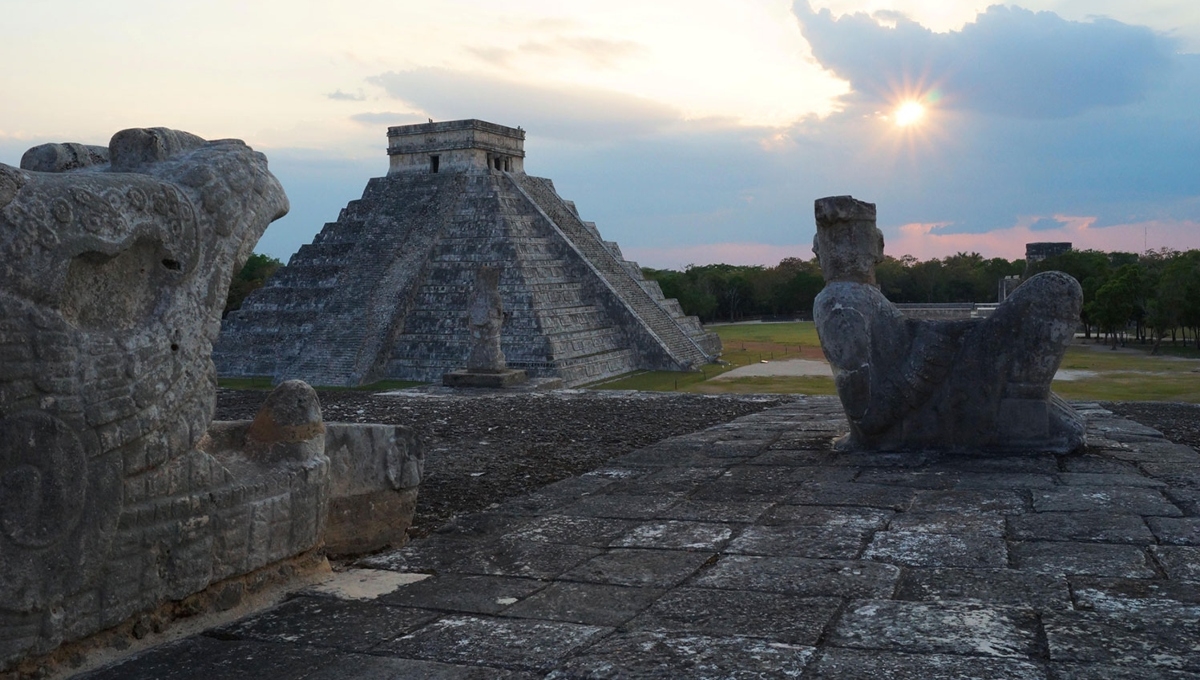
{"x": 966, "y": 385}
{"x": 116, "y": 495}
{"x": 485, "y": 317}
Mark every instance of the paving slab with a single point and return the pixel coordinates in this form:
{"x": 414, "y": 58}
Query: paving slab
{"x": 461, "y": 593}
{"x": 798, "y": 540}
{"x": 1096, "y": 527}
{"x": 940, "y": 628}
{"x": 640, "y": 568}
{"x": 676, "y": 535}
{"x": 857, "y": 664}
{"x": 1009, "y": 587}
{"x": 1124, "y": 639}
{"x": 1086, "y": 559}
{"x": 916, "y": 548}
{"x": 1180, "y": 562}
{"x": 800, "y": 576}
{"x": 518, "y": 644}
{"x": 755, "y": 550}
{"x": 783, "y": 618}
{"x": 589, "y": 603}
{"x": 348, "y": 625}
{"x": 665, "y": 655}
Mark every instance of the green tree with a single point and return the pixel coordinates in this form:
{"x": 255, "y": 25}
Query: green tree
{"x": 253, "y": 275}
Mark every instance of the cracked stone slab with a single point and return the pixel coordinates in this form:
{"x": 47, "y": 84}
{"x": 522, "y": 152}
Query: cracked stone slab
{"x": 1132, "y": 478}
{"x": 663, "y": 655}
{"x": 838, "y": 543}
{"x": 857, "y": 664}
{"x": 348, "y": 625}
{"x": 851, "y": 493}
{"x": 783, "y": 618}
{"x": 365, "y": 667}
{"x": 1175, "y": 530}
{"x": 529, "y": 559}
{"x": 1083, "y": 559}
{"x": 943, "y": 479}
{"x": 740, "y": 512}
{"x": 1099, "y": 464}
{"x": 1124, "y": 639}
{"x": 1019, "y": 463}
{"x": 1009, "y": 587}
{"x": 925, "y": 549}
{"x": 1005, "y": 481}
{"x": 620, "y": 506}
{"x": 800, "y": 576}
{"x": 1097, "y": 527}
{"x": 992, "y": 501}
{"x": 464, "y": 593}
{"x": 861, "y": 518}
{"x": 676, "y": 455}
{"x": 555, "y": 496}
{"x": 589, "y": 603}
{"x": 426, "y": 555}
{"x": 1150, "y": 597}
{"x": 480, "y": 526}
{"x": 639, "y": 568}
{"x": 572, "y": 530}
{"x": 956, "y": 523}
{"x": 518, "y": 644}
{"x": 670, "y": 480}
{"x": 1095, "y": 671}
{"x": 676, "y": 535}
{"x": 1136, "y": 501}
{"x": 1180, "y": 562}
{"x": 750, "y": 483}
{"x": 939, "y": 628}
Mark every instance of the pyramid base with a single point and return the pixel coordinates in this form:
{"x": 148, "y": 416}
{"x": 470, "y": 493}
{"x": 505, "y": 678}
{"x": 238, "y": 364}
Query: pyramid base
{"x": 506, "y": 377}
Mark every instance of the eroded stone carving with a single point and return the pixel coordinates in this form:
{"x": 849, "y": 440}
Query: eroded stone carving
{"x": 113, "y": 267}
{"x": 485, "y": 316}
{"x": 964, "y": 385}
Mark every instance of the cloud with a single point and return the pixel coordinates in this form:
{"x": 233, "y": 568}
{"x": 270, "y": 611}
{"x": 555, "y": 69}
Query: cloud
{"x": 1009, "y": 62}
{"x": 595, "y": 52}
{"x": 338, "y": 95}
{"x": 377, "y": 118}
{"x": 567, "y": 113}
{"x": 925, "y": 241}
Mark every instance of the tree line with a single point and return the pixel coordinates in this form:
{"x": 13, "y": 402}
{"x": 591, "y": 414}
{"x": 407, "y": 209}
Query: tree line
{"x": 1148, "y": 297}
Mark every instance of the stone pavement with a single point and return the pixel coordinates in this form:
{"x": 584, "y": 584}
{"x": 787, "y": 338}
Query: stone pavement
{"x": 750, "y": 550}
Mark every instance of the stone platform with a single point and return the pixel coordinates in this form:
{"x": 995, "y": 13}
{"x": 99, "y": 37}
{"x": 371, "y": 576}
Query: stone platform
{"x": 752, "y": 550}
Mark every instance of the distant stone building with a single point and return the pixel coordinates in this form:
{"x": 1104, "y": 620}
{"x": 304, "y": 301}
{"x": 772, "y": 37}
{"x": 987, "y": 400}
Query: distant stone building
{"x": 1036, "y": 252}
{"x": 382, "y": 293}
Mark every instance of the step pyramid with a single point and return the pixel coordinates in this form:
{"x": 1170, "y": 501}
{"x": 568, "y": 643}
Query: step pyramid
{"x": 382, "y": 292}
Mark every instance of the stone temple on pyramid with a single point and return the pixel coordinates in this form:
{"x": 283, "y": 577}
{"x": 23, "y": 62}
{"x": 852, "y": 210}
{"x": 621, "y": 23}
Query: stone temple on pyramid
{"x": 382, "y": 293}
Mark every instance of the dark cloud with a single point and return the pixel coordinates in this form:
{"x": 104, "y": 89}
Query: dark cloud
{"x": 567, "y": 113}
{"x": 1010, "y": 61}
{"x": 338, "y": 95}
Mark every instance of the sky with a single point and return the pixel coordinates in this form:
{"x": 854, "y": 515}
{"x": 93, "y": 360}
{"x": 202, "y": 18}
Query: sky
{"x": 691, "y": 132}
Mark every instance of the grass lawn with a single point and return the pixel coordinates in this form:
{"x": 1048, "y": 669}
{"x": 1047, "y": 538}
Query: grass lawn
{"x": 1128, "y": 374}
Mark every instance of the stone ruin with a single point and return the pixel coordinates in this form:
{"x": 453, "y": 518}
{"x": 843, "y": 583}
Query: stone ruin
{"x": 117, "y": 493}
{"x": 486, "y": 365}
{"x": 383, "y": 291}
{"x": 967, "y": 385}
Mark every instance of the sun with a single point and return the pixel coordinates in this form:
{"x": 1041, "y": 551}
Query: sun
{"x": 909, "y": 113}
